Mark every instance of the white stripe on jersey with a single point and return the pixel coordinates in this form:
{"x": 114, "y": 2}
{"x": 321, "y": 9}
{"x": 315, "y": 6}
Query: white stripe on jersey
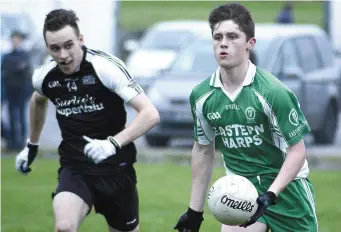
{"x": 40, "y": 74}
{"x": 113, "y": 74}
{"x": 205, "y": 132}
{"x": 277, "y": 134}
{"x": 113, "y": 59}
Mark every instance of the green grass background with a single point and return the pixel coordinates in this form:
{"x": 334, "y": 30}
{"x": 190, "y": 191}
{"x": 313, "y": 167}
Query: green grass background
{"x": 141, "y": 14}
{"x": 164, "y": 194}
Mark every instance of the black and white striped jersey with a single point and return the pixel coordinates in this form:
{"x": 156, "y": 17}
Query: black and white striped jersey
{"x": 89, "y": 102}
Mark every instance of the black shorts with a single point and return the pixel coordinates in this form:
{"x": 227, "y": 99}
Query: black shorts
{"x": 114, "y": 196}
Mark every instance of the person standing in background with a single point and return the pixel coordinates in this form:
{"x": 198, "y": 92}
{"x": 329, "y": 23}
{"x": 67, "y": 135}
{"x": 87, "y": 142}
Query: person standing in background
{"x": 16, "y": 71}
{"x": 286, "y": 15}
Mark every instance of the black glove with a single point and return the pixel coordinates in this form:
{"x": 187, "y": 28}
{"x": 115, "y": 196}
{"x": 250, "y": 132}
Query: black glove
{"x": 191, "y": 220}
{"x": 25, "y": 158}
{"x": 264, "y": 201}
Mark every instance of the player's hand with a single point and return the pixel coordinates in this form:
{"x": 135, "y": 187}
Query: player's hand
{"x": 190, "y": 221}
{"x": 264, "y": 201}
{"x": 25, "y": 158}
{"x": 98, "y": 150}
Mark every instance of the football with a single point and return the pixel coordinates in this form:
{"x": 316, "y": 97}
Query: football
{"x": 232, "y": 200}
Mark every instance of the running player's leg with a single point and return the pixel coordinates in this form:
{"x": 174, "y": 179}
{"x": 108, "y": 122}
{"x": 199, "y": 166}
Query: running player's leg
{"x": 69, "y": 211}
{"x": 71, "y": 202}
{"x": 257, "y": 227}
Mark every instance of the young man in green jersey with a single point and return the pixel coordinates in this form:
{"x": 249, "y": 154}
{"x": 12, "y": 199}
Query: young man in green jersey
{"x": 257, "y": 124}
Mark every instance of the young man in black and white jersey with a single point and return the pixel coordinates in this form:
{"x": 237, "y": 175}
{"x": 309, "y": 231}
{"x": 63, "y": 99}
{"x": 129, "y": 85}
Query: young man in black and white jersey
{"x": 89, "y": 89}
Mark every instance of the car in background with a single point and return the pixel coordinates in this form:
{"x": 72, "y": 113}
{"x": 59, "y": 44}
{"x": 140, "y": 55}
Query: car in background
{"x": 302, "y": 57}
{"x": 338, "y": 60}
{"x": 299, "y": 55}
{"x": 16, "y": 20}
{"x": 170, "y": 92}
{"x": 159, "y": 45}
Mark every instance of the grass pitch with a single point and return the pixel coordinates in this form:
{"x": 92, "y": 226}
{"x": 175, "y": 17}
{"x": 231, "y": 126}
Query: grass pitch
{"x": 164, "y": 195}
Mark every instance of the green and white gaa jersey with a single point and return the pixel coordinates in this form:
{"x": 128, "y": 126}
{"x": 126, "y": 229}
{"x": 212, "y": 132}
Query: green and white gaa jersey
{"x": 252, "y": 127}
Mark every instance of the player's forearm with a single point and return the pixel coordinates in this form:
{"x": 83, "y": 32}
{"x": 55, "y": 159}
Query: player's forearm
{"x": 145, "y": 120}
{"x": 293, "y": 163}
{"x": 202, "y": 162}
{"x": 38, "y": 109}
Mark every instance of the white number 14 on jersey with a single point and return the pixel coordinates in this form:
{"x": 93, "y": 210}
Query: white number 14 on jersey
{"x": 72, "y": 87}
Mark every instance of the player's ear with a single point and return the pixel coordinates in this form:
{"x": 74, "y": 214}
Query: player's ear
{"x": 81, "y": 39}
{"x": 251, "y": 43}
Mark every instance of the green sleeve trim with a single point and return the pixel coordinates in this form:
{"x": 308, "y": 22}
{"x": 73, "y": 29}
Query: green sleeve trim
{"x": 300, "y": 136}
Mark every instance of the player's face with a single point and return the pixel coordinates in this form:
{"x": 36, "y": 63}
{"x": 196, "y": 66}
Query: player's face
{"x": 230, "y": 45}
{"x": 66, "y": 48}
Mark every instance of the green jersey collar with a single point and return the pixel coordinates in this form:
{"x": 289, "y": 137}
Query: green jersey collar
{"x": 251, "y": 72}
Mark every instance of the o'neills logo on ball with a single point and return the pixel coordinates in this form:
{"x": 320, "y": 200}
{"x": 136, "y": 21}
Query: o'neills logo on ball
{"x": 241, "y": 205}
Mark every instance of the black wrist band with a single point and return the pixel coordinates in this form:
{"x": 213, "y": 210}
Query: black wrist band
{"x": 193, "y": 212}
{"x": 114, "y": 142}
{"x": 30, "y": 145}
{"x": 272, "y": 196}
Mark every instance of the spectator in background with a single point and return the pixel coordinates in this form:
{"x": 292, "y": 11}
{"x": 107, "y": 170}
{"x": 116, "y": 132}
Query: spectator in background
{"x": 286, "y": 15}
{"x": 16, "y": 71}
{"x": 4, "y": 129}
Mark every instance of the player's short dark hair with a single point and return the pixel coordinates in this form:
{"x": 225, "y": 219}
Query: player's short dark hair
{"x": 57, "y": 19}
{"x": 236, "y": 12}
